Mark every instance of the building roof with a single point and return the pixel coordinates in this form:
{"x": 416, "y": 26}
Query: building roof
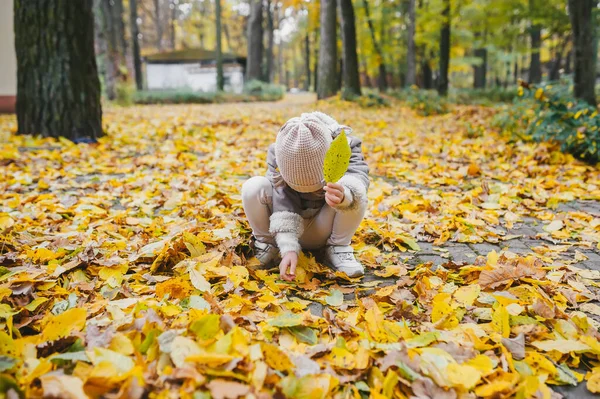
{"x": 190, "y": 55}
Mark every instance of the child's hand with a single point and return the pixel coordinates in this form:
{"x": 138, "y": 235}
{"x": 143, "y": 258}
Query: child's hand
{"x": 334, "y": 194}
{"x": 289, "y": 260}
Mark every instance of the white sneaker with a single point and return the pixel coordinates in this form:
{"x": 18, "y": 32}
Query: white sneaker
{"x": 266, "y": 254}
{"x": 341, "y": 258}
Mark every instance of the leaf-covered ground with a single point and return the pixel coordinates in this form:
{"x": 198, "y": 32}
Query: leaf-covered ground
{"x": 127, "y": 273}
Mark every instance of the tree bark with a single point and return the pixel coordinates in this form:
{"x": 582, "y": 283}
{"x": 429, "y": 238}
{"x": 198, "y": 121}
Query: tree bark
{"x": 270, "y": 41}
{"x": 112, "y": 34}
{"x": 255, "y": 41}
{"x": 444, "y": 51}
{"x": 307, "y": 61}
{"x": 584, "y": 67}
{"x": 351, "y": 79}
{"x": 137, "y": 58}
{"x": 535, "y": 32}
{"x": 382, "y": 78}
{"x": 480, "y": 71}
{"x": 327, "y": 51}
{"x": 58, "y": 91}
{"x": 557, "y": 62}
{"x": 411, "y": 59}
{"x": 219, "y": 53}
{"x": 158, "y": 25}
{"x": 172, "y": 40}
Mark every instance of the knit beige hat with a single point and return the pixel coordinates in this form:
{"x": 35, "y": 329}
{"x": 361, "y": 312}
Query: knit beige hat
{"x": 300, "y": 151}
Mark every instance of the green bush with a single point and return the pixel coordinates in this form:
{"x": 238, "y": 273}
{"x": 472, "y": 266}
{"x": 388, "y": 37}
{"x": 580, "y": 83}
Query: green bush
{"x": 488, "y": 96}
{"x": 265, "y": 91}
{"x": 368, "y": 100}
{"x": 124, "y": 94}
{"x": 425, "y": 102}
{"x": 550, "y": 113}
{"x": 173, "y": 97}
{"x": 253, "y": 91}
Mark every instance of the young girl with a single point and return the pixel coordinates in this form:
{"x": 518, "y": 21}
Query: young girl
{"x": 293, "y": 208}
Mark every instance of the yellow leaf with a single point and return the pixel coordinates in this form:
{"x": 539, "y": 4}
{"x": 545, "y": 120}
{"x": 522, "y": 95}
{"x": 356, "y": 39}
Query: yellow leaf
{"x": 593, "y": 380}
{"x": 337, "y": 159}
{"x": 501, "y": 321}
{"x": 462, "y": 376}
{"x": 64, "y": 324}
{"x": 276, "y": 358}
{"x": 6, "y": 222}
{"x": 193, "y": 244}
{"x": 497, "y": 385}
{"x": 466, "y": 295}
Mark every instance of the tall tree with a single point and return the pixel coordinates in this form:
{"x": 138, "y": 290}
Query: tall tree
{"x": 61, "y": 95}
{"x": 158, "y": 24}
{"x": 135, "y": 33}
{"x": 382, "y": 78}
{"x": 583, "y": 42}
{"x": 535, "y": 33}
{"x": 307, "y": 61}
{"x": 327, "y": 71}
{"x": 220, "y": 79}
{"x": 444, "y": 50}
{"x": 255, "y": 41}
{"x": 270, "y": 41}
{"x": 111, "y": 34}
{"x": 411, "y": 59}
{"x": 173, "y": 5}
{"x": 350, "y": 73}
{"x": 480, "y": 70}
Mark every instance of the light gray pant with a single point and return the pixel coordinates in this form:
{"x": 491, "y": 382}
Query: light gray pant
{"x": 326, "y": 227}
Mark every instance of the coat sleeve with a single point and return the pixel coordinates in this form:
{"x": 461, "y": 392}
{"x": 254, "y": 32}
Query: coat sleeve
{"x": 286, "y": 224}
{"x": 356, "y": 179}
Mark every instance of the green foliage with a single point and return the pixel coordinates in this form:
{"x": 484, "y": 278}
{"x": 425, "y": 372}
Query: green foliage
{"x": 252, "y": 92}
{"x": 371, "y": 99}
{"x": 550, "y": 113}
{"x": 174, "y": 97}
{"x": 425, "y": 102}
{"x": 124, "y": 93}
{"x": 488, "y": 96}
{"x": 266, "y": 91}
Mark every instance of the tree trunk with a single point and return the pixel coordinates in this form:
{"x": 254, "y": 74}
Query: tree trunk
{"x": 327, "y": 51}
{"x": 382, "y": 78}
{"x": 427, "y": 75}
{"x": 173, "y": 6}
{"x": 535, "y": 32}
{"x": 137, "y": 58}
{"x": 219, "y": 53}
{"x": 557, "y": 62}
{"x": 270, "y": 41}
{"x": 584, "y": 67}
{"x": 255, "y": 41}
{"x": 58, "y": 91}
{"x": 411, "y": 59}
{"x": 307, "y": 61}
{"x": 516, "y": 71}
{"x": 568, "y": 61}
{"x": 112, "y": 32}
{"x": 480, "y": 71}
{"x": 444, "y": 51}
{"x": 158, "y": 25}
{"x": 350, "y": 58}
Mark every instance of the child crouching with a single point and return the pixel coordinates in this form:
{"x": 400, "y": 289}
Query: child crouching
{"x": 293, "y": 208}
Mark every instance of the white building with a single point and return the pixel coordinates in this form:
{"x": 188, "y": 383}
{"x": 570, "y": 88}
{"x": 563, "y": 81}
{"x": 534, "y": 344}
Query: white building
{"x": 8, "y": 58}
{"x": 193, "y": 69}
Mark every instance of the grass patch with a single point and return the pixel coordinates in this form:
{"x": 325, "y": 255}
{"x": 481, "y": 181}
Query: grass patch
{"x": 253, "y": 91}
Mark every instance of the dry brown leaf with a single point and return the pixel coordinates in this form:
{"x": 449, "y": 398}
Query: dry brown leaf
{"x": 508, "y": 271}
